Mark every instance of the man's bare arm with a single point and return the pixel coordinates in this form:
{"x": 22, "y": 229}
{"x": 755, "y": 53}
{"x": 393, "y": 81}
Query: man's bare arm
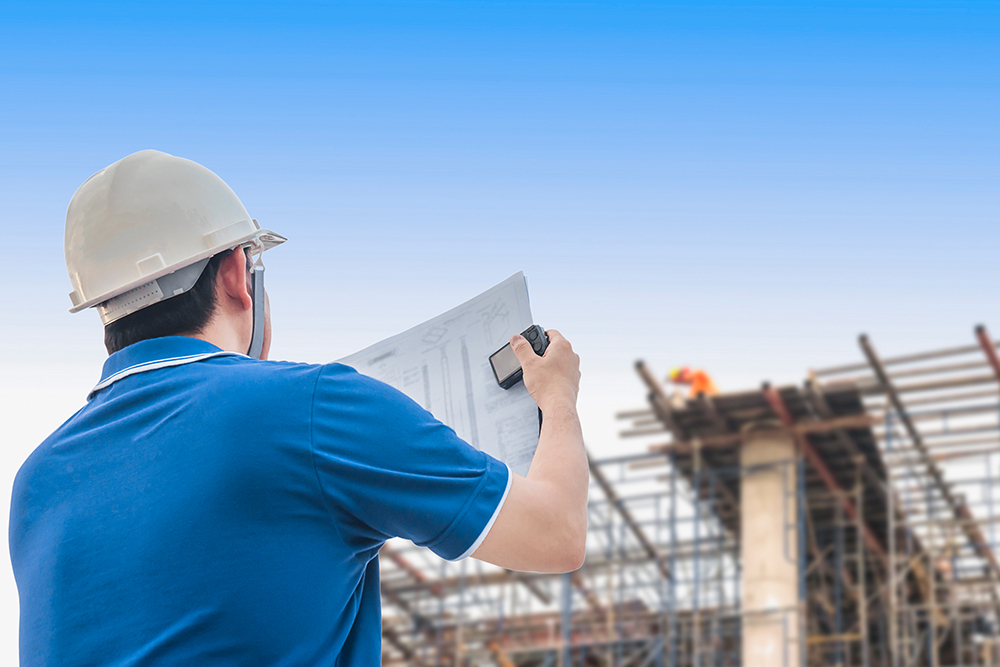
{"x": 542, "y": 526}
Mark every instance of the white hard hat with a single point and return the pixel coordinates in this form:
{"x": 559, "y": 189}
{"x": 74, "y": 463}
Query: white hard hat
{"x": 141, "y": 231}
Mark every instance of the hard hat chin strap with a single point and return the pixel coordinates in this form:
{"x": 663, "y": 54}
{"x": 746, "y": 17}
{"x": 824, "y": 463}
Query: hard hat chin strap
{"x": 257, "y": 336}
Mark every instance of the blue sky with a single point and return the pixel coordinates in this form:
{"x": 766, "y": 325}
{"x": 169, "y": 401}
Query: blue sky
{"x": 738, "y": 186}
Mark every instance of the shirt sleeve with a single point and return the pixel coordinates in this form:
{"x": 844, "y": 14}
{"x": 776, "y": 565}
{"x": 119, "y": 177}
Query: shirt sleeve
{"x": 393, "y": 470}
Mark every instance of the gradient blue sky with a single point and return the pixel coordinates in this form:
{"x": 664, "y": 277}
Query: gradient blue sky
{"x": 743, "y": 187}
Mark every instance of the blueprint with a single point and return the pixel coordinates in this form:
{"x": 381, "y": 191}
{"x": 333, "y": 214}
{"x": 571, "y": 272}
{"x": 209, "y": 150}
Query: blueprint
{"x": 443, "y": 364}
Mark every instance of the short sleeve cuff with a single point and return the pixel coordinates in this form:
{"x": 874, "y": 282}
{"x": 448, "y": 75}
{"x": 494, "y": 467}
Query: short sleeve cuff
{"x": 469, "y": 529}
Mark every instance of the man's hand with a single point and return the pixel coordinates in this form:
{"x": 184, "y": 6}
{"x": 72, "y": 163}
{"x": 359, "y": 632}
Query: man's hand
{"x": 543, "y": 523}
{"x": 553, "y": 380}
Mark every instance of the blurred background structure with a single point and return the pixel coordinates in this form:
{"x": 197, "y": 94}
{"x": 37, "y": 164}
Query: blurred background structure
{"x": 849, "y": 520}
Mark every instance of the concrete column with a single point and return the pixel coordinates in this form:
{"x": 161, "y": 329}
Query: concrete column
{"x": 769, "y": 548}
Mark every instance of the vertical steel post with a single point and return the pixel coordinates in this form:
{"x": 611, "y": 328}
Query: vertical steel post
{"x": 891, "y": 512}
{"x": 800, "y": 506}
{"x": 661, "y": 647}
{"x": 838, "y": 584}
{"x": 890, "y": 491}
{"x": 673, "y": 564}
{"x": 931, "y": 613}
{"x": 460, "y": 630}
{"x": 566, "y": 607}
{"x": 884, "y": 656}
{"x": 616, "y": 620}
{"x": 859, "y": 502}
{"x": 609, "y": 586}
{"x": 439, "y": 635}
{"x": 696, "y": 565}
{"x": 988, "y": 492}
{"x": 716, "y": 642}
{"x": 913, "y": 615}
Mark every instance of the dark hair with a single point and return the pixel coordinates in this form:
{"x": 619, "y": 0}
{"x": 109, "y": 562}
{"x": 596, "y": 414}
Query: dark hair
{"x": 185, "y": 313}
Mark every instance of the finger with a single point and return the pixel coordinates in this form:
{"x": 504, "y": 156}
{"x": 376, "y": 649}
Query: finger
{"x": 555, "y": 336}
{"x": 522, "y": 349}
{"x": 558, "y": 343}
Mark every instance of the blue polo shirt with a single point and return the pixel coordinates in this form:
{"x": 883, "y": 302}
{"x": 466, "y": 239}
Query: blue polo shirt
{"x": 205, "y": 508}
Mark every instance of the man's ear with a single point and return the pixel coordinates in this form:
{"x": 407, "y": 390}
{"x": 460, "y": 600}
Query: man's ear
{"x": 234, "y": 286}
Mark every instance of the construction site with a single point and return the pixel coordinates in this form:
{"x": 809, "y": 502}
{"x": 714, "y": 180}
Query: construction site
{"x": 850, "y": 519}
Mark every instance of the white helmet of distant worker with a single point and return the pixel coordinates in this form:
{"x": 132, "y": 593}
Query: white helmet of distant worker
{"x": 143, "y": 229}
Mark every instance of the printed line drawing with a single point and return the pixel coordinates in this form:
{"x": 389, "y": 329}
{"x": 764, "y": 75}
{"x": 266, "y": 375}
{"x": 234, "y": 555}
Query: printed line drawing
{"x": 467, "y": 371}
{"x": 434, "y": 335}
{"x": 461, "y": 390}
{"x": 496, "y": 321}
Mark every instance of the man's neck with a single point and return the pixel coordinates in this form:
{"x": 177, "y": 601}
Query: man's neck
{"x": 221, "y": 336}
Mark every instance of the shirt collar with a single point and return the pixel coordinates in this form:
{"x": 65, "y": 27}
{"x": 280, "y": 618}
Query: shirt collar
{"x": 148, "y": 355}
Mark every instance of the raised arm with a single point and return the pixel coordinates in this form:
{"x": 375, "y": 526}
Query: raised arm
{"x": 542, "y": 526}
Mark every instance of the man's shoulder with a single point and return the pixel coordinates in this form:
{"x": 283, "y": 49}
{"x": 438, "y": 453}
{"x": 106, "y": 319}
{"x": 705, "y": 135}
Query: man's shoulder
{"x": 286, "y": 372}
{"x": 343, "y": 391}
{"x": 330, "y": 381}
{"x": 347, "y": 378}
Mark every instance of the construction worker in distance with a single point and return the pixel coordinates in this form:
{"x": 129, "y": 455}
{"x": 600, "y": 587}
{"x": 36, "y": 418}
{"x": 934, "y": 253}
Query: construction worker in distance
{"x": 698, "y": 381}
{"x": 209, "y": 507}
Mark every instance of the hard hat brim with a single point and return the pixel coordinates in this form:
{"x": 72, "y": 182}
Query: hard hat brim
{"x": 259, "y": 240}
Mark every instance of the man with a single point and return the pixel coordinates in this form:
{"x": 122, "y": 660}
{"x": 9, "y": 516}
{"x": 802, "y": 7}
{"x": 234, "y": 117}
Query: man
{"x": 206, "y": 507}
{"x": 697, "y": 381}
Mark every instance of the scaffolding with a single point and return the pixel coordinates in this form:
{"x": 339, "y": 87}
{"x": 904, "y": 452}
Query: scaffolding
{"x": 886, "y": 516}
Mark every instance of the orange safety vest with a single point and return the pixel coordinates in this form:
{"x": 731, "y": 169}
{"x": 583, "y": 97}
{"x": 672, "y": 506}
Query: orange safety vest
{"x": 701, "y": 382}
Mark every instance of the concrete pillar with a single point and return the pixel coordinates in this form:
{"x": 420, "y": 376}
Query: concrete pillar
{"x": 769, "y": 548}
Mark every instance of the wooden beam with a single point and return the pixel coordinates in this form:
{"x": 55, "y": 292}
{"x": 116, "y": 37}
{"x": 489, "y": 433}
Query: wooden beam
{"x": 798, "y": 430}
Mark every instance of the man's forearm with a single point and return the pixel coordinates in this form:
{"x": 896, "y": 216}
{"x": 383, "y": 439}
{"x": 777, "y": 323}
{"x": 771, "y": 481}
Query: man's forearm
{"x": 561, "y": 458}
{"x": 561, "y": 466}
